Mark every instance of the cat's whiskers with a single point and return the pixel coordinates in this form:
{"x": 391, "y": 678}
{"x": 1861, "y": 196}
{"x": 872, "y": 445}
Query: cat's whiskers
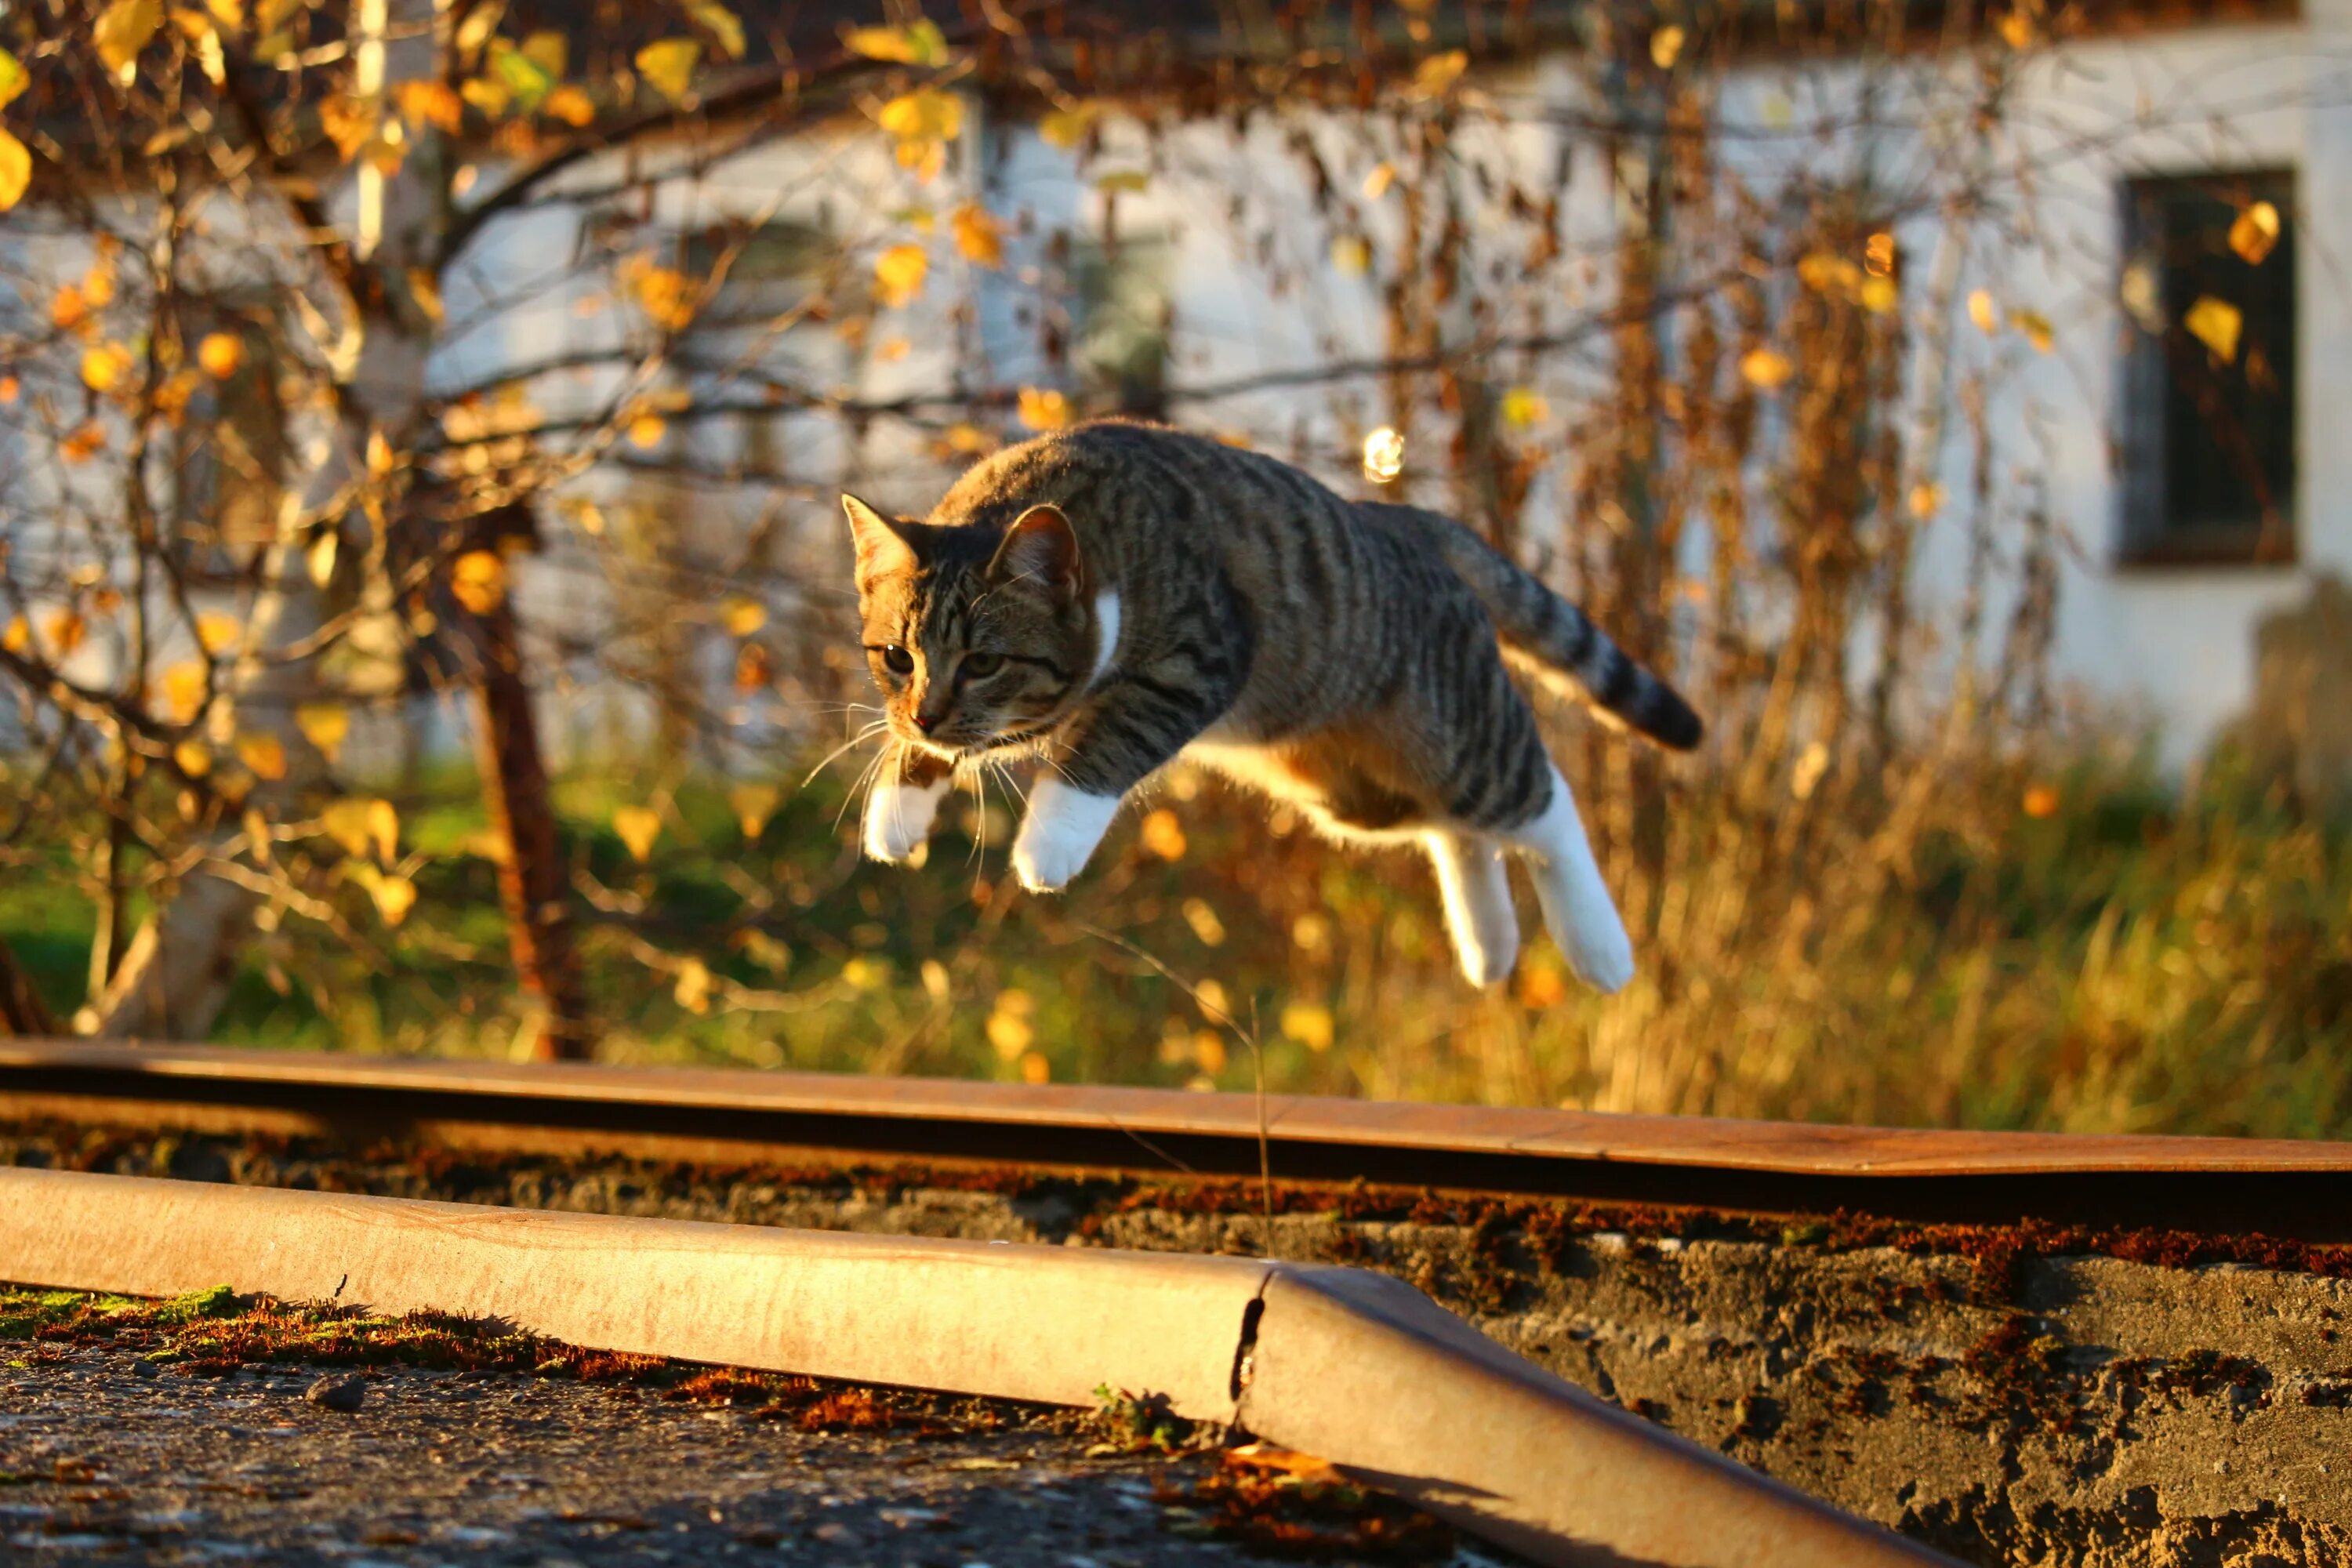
{"x": 851, "y": 744}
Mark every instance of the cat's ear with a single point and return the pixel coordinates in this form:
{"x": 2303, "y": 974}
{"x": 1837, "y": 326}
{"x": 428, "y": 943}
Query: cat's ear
{"x": 1040, "y": 547}
{"x": 882, "y": 545}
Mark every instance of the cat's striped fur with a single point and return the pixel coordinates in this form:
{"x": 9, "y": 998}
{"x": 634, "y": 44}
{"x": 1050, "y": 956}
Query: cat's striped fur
{"x": 1117, "y": 594}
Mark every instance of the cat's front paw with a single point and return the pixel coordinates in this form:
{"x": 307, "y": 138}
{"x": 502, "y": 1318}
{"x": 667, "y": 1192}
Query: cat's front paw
{"x": 899, "y": 818}
{"x": 1059, "y": 835}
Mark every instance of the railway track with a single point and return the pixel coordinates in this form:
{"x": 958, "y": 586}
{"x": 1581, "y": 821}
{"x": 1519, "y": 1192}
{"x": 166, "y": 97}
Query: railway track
{"x": 2220, "y": 1186}
{"x": 1339, "y": 1361}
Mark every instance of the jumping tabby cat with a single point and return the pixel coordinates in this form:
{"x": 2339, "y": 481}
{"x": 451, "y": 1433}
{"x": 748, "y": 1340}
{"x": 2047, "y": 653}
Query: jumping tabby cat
{"x": 1110, "y": 595}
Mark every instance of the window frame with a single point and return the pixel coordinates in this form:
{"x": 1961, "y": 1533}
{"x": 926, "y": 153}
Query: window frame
{"x": 2146, "y": 535}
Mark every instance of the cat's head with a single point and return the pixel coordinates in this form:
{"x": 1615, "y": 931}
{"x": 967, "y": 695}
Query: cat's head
{"x": 979, "y": 637}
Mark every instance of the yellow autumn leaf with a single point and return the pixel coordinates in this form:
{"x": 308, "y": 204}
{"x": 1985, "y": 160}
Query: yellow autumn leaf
{"x": 2215, "y": 323}
{"x": 13, "y": 78}
{"x": 547, "y": 52}
{"x": 741, "y": 616}
{"x": 1043, "y": 409}
{"x": 1309, "y": 1025}
{"x": 16, "y": 171}
{"x": 1981, "y": 310}
{"x": 192, "y": 758}
{"x": 1123, "y": 182}
{"x": 927, "y": 114}
{"x": 2253, "y": 233}
{"x": 182, "y": 688}
{"x": 326, "y": 725}
{"x": 1927, "y": 500}
{"x": 1377, "y": 183}
{"x": 220, "y": 353}
{"x": 477, "y": 580}
{"x": 2036, "y": 328}
{"x": 394, "y": 896}
{"x": 86, "y": 440}
{"x": 2016, "y": 29}
{"x": 1163, "y": 834}
{"x": 638, "y": 826}
{"x": 723, "y": 25}
{"x": 264, "y": 753}
{"x": 866, "y": 973}
{"x": 920, "y": 44}
{"x": 1766, "y": 369}
{"x": 1351, "y": 254}
{"x": 122, "y": 31}
{"x": 17, "y": 637}
{"x": 488, "y": 96}
{"x": 692, "y": 991}
{"x": 349, "y": 122}
{"x": 646, "y": 431}
{"x": 1524, "y": 407}
{"x": 665, "y": 294}
{"x": 754, "y": 804}
{"x": 898, "y": 274}
{"x": 434, "y": 104}
{"x": 571, "y": 105}
{"x": 1211, "y": 933}
{"x": 669, "y": 65}
{"x": 978, "y": 237}
{"x": 1439, "y": 72}
{"x": 359, "y": 825}
{"x": 1665, "y": 47}
{"x": 216, "y": 633}
{"x": 103, "y": 365}
{"x": 525, "y": 76}
{"x": 1878, "y": 295}
{"x": 1065, "y": 128}
{"x": 68, "y": 631}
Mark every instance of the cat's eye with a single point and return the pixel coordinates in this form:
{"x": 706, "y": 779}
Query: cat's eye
{"x": 981, "y": 666}
{"x": 898, "y": 661}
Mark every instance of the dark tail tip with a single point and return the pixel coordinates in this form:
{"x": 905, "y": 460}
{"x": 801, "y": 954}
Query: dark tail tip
{"x": 1669, "y": 720}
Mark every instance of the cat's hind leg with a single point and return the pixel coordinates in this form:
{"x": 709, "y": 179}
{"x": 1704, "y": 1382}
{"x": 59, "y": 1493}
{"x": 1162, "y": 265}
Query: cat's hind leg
{"x": 1576, "y": 902}
{"x": 1476, "y": 887}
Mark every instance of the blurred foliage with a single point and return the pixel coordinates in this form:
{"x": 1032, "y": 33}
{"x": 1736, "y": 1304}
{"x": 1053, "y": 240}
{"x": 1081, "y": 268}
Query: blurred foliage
{"x": 2134, "y": 958}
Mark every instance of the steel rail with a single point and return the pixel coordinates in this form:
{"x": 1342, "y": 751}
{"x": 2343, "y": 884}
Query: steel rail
{"x": 2214, "y": 1185}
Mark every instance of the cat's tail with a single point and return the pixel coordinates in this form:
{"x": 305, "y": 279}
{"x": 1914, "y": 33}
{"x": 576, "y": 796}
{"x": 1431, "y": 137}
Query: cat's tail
{"x": 1560, "y": 643}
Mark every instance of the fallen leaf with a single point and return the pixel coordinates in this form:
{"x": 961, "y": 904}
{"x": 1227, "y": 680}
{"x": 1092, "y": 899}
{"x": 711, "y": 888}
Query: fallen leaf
{"x": 1263, "y": 1455}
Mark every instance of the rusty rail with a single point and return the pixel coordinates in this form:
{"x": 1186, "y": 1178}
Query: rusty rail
{"x": 2217, "y": 1185}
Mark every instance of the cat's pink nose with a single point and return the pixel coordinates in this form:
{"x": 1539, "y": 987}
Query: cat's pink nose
{"x": 926, "y": 722}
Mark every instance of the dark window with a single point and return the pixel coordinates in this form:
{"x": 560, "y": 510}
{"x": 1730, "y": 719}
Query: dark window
{"x": 1122, "y": 324}
{"x": 2209, "y": 424}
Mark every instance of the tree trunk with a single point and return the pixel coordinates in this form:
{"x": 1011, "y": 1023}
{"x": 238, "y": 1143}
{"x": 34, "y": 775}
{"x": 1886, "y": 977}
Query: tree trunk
{"x": 21, "y": 1011}
{"x": 531, "y": 882}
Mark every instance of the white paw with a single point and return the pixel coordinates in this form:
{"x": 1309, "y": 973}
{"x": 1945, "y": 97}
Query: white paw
{"x": 1599, "y": 949}
{"x": 1483, "y": 965}
{"x": 1059, "y": 835}
{"x": 899, "y": 818}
